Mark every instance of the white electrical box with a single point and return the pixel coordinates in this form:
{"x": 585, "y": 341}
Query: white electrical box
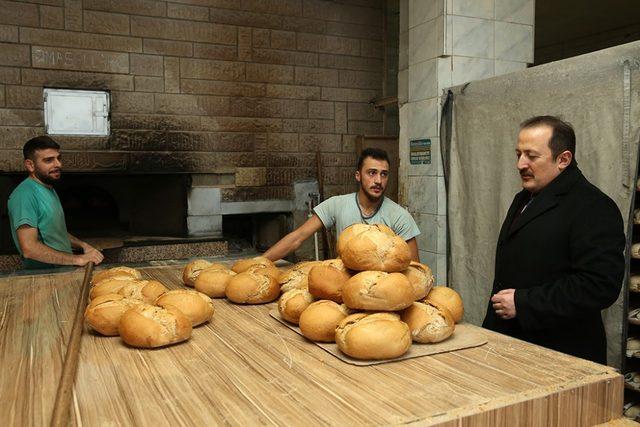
{"x": 76, "y": 112}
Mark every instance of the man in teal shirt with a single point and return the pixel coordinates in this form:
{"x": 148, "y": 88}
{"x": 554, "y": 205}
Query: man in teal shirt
{"x": 36, "y": 217}
{"x": 368, "y": 205}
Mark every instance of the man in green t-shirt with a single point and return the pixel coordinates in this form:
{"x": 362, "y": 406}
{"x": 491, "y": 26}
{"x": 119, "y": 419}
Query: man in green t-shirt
{"x": 368, "y": 205}
{"x": 36, "y": 217}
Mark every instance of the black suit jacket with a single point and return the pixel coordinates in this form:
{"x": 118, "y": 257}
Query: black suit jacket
{"x": 564, "y": 255}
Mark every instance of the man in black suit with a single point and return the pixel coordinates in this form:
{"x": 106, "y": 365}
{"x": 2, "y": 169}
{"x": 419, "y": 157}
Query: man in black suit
{"x": 559, "y": 259}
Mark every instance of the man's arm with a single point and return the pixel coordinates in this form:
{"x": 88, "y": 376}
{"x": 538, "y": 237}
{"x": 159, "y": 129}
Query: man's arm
{"x": 86, "y": 248}
{"x": 32, "y": 248}
{"x": 293, "y": 240}
{"x": 413, "y": 247}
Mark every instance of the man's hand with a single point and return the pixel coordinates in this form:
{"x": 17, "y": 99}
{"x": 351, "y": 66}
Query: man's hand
{"x": 504, "y": 304}
{"x": 90, "y": 254}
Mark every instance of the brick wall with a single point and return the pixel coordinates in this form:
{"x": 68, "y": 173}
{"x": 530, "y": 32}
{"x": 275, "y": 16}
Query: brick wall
{"x": 251, "y": 88}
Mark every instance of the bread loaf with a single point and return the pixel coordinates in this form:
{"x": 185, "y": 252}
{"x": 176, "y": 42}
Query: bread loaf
{"x": 269, "y": 270}
{"x": 319, "y": 321}
{"x": 192, "y": 269}
{"x": 148, "y": 326}
{"x": 326, "y": 280}
{"x": 378, "y": 291}
{"x": 375, "y": 249}
{"x": 110, "y": 285}
{"x": 429, "y": 322}
{"x": 293, "y": 279}
{"x": 115, "y": 271}
{"x": 243, "y": 264}
{"x": 293, "y": 303}
{"x": 634, "y": 283}
{"x": 252, "y": 288}
{"x": 213, "y": 281}
{"x": 374, "y": 336}
{"x": 635, "y": 250}
{"x": 448, "y": 298}
{"x": 104, "y": 312}
{"x": 421, "y": 279}
{"x": 195, "y": 305}
{"x": 358, "y": 228}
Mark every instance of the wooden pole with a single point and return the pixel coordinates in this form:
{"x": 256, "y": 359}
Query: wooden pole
{"x": 62, "y": 406}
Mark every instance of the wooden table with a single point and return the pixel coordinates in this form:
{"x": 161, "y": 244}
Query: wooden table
{"x": 244, "y": 368}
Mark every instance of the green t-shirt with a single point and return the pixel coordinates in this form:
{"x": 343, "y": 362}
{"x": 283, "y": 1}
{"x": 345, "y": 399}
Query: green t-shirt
{"x": 38, "y": 206}
{"x": 343, "y": 211}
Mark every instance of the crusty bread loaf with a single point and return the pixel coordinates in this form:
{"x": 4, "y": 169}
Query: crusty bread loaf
{"x": 635, "y": 250}
{"x": 104, "y": 312}
{"x": 192, "y": 269}
{"x": 304, "y": 266}
{"x": 293, "y": 303}
{"x": 242, "y": 265}
{"x": 374, "y": 336}
{"x": 318, "y": 322}
{"x": 634, "y": 283}
{"x": 269, "y": 270}
{"x": 213, "y": 281}
{"x": 375, "y": 249}
{"x": 143, "y": 290}
{"x": 358, "y": 228}
{"x": 113, "y": 272}
{"x": 252, "y": 288}
{"x": 378, "y": 291}
{"x": 448, "y": 298}
{"x": 421, "y": 279}
{"x": 110, "y": 285}
{"x": 150, "y": 326}
{"x": 429, "y": 322}
{"x": 195, "y": 305}
{"x": 293, "y": 279}
{"x": 326, "y": 280}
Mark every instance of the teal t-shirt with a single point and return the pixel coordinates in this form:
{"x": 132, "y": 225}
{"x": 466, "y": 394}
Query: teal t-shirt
{"x": 343, "y": 211}
{"x": 38, "y": 206}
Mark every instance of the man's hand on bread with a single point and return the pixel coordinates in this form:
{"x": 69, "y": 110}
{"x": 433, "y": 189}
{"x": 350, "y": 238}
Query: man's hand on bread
{"x": 504, "y": 304}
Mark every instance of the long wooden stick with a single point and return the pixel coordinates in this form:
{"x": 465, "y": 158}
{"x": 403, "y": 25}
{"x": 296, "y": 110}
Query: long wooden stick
{"x": 62, "y": 406}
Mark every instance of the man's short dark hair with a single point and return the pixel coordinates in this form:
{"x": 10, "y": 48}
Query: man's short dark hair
{"x": 563, "y": 137}
{"x": 375, "y": 153}
{"x": 41, "y": 142}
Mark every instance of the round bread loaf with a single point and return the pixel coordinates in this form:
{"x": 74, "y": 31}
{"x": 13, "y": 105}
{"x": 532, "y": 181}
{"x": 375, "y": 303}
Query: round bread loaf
{"x": 358, "y": 228}
{"x": 375, "y": 249}
{"x": 448, "y": 298}
{"x": 113, "y": 272}
{"x": 305, "y": 266}
{"x": 293, "y": 279}
{"x": 149, "y": 326}
{"x": 319, "y": 321}
{"x": 192, "y": 269}
{"x": 242, "y": 265}
{"x": 104, "y": 312}
{"x": 195, "y": 305}
{"x": 636, "y": 216}
{"x": 111, "y": 285}
{"x": 374, "y": 336}
{"x": 378, "y": 291}
{"x": 429, "y": 322}
{"x": 213, "y": 281}
{"x": 635, "y": 250}
{"x": 252, "y": 288}
{"x": 293, "y": 303}
{"x": 326, "y": 280}
{"x": 421, "y": 279}
{"x": 269, "y": 270}
{"x": 143, "y": 290}
{"x": 634, "y": 283}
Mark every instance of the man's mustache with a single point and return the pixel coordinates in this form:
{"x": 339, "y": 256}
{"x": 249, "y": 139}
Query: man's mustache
{"x": 525, "y": 173}
{"x": 376, "y": 187}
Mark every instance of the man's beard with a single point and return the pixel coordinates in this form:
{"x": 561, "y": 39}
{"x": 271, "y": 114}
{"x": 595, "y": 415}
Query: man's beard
{"x": 46, "y": 178}
{"x": 373, "y": 197}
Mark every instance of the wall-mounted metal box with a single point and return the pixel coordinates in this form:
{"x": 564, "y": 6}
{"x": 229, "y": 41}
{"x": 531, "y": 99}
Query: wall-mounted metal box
{"x": 76, "y": 112}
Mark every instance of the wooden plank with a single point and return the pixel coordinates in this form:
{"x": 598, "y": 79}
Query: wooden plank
{"x": 36, "y": 316}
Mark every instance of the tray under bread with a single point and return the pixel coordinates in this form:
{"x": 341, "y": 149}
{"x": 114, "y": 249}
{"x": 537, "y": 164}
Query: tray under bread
{"x": 465, "y": 336}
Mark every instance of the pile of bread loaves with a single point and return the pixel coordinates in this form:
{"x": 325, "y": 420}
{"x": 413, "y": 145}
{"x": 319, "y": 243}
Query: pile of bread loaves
{"x": 373, "y": 301}
{"x": 143, "y": 312}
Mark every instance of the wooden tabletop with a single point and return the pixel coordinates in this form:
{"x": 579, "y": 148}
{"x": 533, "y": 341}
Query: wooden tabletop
{"x": 245, "y": 368}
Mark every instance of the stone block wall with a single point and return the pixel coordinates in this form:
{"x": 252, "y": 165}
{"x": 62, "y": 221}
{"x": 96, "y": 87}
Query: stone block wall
{"x": 249, "y": 89}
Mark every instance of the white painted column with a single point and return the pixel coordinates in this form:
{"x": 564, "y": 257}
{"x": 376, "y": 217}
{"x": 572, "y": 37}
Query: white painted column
{"x": 445, "y": 43}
